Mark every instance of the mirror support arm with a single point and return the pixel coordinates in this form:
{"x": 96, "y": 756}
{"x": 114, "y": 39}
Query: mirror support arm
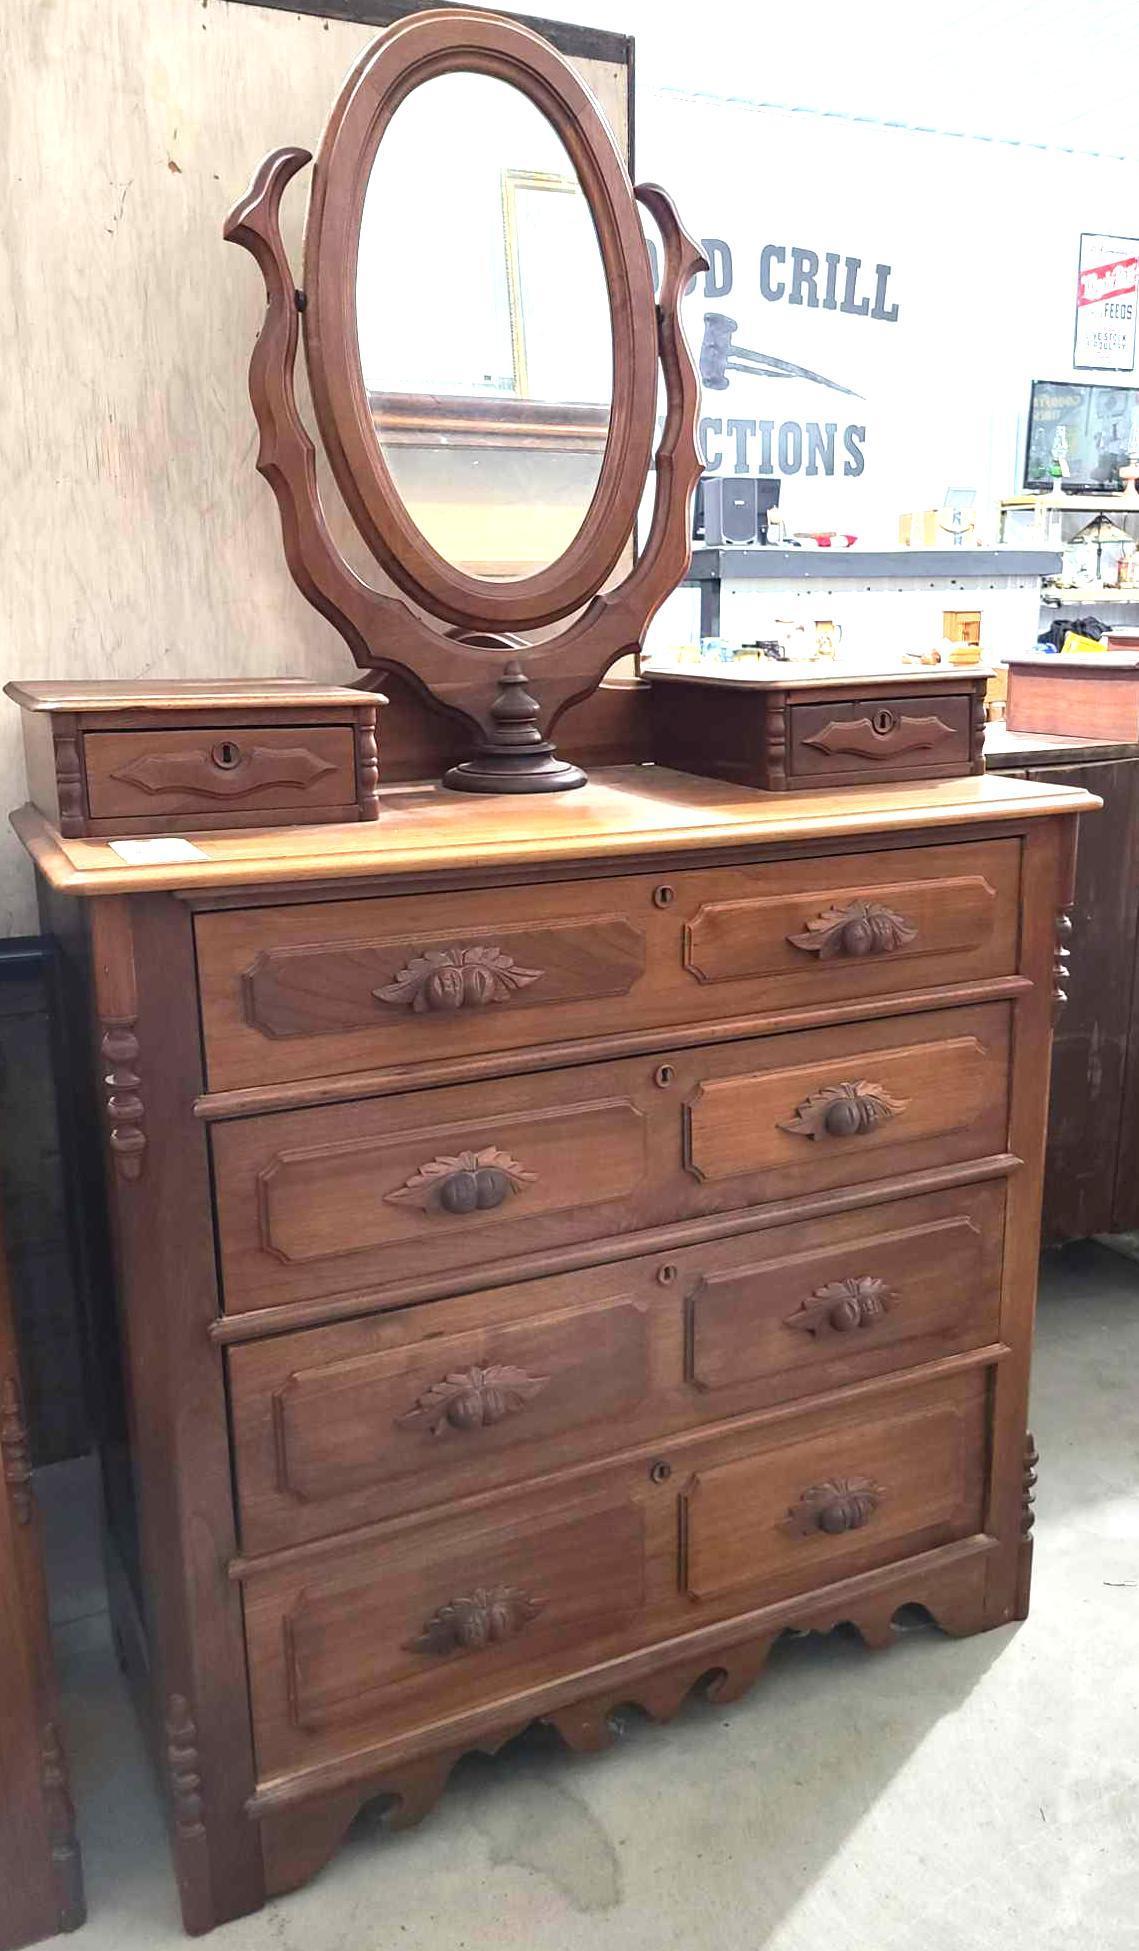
{"x": 286, "y": 456}
{"x": 615, "y": 623}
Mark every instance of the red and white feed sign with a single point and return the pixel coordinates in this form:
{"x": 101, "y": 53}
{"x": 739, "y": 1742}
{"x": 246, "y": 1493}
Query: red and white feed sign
{"x": 1105, "y": 303}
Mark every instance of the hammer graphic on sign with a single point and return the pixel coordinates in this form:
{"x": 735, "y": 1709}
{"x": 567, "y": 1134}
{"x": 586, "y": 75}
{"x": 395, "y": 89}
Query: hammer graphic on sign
{"x": 719, "y": 357}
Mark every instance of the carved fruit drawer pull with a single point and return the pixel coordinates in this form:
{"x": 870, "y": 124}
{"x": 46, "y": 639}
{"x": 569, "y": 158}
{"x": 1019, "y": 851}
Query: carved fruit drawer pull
{"x": 843, "y": 1305}
{"x": 845, "y": 1110}
{"x": 841, "y": 1504}
{"x": 466, "y": 1182}
{"x": 456, "y": 978}
{"x": 474, "y": 1398}
{"x": 488, "y": 1616}
{"x": 861, "y": 928}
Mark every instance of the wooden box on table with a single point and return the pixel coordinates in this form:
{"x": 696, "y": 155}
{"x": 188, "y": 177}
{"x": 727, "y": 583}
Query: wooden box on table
{"x": 803, "y": 728}
{"x": 123, "y": 759}
{"x": 1079, "y": 696}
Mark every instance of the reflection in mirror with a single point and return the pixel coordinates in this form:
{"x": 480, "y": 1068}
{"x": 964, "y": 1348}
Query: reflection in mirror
{"x": 483, "y": 320}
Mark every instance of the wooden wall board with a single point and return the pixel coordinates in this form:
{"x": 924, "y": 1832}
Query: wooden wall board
{"x": 137, "y": 539}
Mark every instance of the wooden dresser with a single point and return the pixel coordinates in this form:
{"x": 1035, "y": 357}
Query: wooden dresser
{"x": 561, "y": 1243}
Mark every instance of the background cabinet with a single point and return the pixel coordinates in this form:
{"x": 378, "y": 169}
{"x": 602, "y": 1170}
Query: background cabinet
{"x": 1091, "y": 1182}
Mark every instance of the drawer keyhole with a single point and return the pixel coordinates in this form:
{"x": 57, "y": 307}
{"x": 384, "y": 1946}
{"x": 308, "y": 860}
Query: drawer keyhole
{"x": 227, "y": 754}
{"x": 883, "y": 721}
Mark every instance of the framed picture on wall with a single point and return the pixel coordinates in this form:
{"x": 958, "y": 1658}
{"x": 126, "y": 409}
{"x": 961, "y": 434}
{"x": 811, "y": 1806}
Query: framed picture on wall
{"x": 1105, "y": 303}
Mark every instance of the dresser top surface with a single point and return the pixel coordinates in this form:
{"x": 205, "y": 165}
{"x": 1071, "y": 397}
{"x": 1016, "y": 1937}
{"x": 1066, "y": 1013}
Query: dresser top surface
{"x": 624, "y": 812}
{"x": 182, "y": 695}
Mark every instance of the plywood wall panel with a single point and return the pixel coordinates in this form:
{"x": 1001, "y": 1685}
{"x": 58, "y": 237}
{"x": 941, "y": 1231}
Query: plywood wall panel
{"x": 135, "y": 537}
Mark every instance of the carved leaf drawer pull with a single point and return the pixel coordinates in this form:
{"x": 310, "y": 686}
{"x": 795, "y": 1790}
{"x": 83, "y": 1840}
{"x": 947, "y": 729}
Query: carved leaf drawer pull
{"x": 843, "y": 1305}
{"x": 474, "y": 1398}
{"x": 466, "y": 1182}
{"x": 456, "y": 978}
{"x": 846, "y": 1110}
{"x": 841, "y": 1504}
{"x": 489, "y": 1615}
{"x": 861, "y": 928}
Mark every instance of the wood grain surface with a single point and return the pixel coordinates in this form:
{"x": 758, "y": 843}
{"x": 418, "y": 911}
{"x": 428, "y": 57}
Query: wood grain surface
{"x": 329, "y": 988}
{"x": 339, "y": 1644}
{"x": 345, "y": 1425}
{"x": 425, "y": 830}
{"x": 353, "y": 1197}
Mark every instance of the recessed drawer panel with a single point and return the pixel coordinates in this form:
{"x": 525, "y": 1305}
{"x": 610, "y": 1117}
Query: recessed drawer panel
{"x": 446, "y": 1617}
{"x": 359, "y": 1421}
{"x": 830, "y": 1121}
{"x": 885, "y": 1287}
{"x": 852, "y": 1498}
{"x": 220, "y": 771}
{"x": 370, "y": 1194}
{"x": 902, "y": 738}
{"x": 373, "y": 1639}
{"x": 324, "y": 988}
{"x": 368, "y": 1418}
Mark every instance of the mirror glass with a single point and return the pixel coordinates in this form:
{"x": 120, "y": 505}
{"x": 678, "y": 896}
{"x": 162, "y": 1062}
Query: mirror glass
{"x": 482, "y": 314}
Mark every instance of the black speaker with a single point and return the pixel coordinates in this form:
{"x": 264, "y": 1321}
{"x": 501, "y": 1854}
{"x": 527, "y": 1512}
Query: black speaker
{"x": 732, "y": 509}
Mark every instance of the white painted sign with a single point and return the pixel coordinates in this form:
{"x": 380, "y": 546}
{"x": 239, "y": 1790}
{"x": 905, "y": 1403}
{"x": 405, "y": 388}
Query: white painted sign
{"x": 1105, "y": 303}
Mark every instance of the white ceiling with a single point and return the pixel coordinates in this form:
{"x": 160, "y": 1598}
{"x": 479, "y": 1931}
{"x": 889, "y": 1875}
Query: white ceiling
{"x": 1062, "y": 74}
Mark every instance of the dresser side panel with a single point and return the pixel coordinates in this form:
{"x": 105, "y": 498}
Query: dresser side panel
{"x": 149, "y": 1069}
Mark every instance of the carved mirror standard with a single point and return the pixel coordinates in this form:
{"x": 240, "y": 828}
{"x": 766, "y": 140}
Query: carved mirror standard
{"x": 483, "y": 348}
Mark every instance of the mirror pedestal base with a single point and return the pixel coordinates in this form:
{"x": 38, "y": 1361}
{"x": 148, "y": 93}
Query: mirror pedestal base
{"x": 535, "y": 770}
{"x": 514, "y": 757}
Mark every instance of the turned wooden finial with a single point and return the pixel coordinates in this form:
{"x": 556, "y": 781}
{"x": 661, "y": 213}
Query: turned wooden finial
{"x": 514, "y": 757}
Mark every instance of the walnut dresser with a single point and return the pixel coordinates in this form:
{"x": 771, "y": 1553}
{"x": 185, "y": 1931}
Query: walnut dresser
{"x": 560, "y": 1243}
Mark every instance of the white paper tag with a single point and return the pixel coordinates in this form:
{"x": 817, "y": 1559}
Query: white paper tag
{"x": 155, "y": 853}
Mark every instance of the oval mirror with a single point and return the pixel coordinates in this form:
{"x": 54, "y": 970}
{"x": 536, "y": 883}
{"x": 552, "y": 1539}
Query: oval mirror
{"x": 482, "y": 315}
{"x": 479, "y": 323}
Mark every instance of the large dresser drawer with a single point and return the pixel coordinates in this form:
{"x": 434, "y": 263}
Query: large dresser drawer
{"x": 376, "y": 1639}
{"x": 362, "y": 1196}
{"x": 327, "y": 988}
{"x": 349, "y": 1424}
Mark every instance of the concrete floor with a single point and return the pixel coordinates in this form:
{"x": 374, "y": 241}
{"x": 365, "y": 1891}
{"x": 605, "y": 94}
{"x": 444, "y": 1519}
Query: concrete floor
{"x": 947, "y": 1795}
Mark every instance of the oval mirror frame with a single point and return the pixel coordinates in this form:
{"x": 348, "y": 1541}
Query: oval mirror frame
{"x": 408, "y": 56}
